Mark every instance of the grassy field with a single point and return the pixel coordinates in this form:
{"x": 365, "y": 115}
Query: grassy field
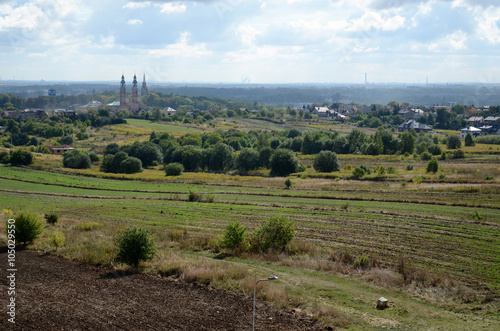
{"x": 431, "y": 226}
{"x": 433, "y": 240}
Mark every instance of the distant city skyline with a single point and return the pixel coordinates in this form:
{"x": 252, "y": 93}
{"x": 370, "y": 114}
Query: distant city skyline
{"x": 262, "y": 42}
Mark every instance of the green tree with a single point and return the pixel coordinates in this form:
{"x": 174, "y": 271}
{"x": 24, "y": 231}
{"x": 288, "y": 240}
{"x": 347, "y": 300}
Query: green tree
{"x": 212, "y": 138}
{"x": 190, "y": 139}
{"x": 432, "y": 166}
{"x": 112, "y": 149}
{"x": 358, "y": 172}
{"x": 234, "y": 235}
{"x": 174, "y": 169}
{"x": 66, "y": 140}
{"x": 28, "y": 227}
{"x": 221, "y": 157}
{"x": 131, "y": 165}
{"x": 190, "y": 156}
{"x": 326, "y": 161}
{"x": 134, "y": 246}
{"x": 407, "y": 142}
{"x": 77, "y": 160}
{"x": 247, "y": 160}
{"x": 468, "y": 140}
{"x": 454, "y": 142}
{"x": 274, "y": 234}
{"x": 21, "y": 157}
{"x": 283, "y": 162}
{"x": 265, "y": 155}
{"x": 148, "y": 152}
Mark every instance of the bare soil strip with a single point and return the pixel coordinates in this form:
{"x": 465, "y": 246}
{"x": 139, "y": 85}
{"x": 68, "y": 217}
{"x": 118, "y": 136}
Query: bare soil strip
{"x": 53, "y": 293}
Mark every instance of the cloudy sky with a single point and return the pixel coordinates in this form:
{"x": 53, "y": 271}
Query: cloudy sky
{"x": 258, "y": 41}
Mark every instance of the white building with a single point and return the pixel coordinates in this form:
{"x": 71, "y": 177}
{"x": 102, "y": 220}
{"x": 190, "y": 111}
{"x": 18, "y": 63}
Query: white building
{"x": 474, "y": 132}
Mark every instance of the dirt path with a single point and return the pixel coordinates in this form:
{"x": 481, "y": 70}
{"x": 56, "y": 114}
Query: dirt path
{"x": 57, "y": 294}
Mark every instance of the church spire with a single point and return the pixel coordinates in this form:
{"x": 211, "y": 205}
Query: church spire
{"x": 144, "y": 88}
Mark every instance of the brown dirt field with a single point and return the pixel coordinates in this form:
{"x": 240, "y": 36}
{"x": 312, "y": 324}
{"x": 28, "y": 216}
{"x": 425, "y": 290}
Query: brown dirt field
{"x": 57, "y": 294}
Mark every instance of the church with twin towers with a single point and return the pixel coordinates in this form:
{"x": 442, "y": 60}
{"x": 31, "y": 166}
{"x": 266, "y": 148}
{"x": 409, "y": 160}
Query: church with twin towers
{"x": 133, "y": 104}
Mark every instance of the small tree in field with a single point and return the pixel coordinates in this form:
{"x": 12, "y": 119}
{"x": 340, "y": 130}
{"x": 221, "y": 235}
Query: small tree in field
{"x": 432, "y": 166}
{"x": 283, "y": 162}
{"x": 174, "y": 169}
{"x": 51, "y": 218}
{"x": 326, "y": 161}
{"x": 454, "y": 142}
{"x": 275, "y": 234}
{"x": 134, "y": 246}
{"x": 28, "y": 227}
{"x": 234, "y": 235}
{"x": 468, "y": 140}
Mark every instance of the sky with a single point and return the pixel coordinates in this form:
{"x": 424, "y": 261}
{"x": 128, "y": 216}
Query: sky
{"x": 251, "y": 41}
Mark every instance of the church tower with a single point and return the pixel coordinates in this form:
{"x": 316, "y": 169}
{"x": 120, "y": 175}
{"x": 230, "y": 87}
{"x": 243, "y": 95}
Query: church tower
{"x": 123, "y": 93}
{"x": 144, "y": 89}
{"x": 135, "y": 95}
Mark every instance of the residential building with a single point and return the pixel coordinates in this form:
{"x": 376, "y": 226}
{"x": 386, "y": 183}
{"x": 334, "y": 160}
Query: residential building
{"x": 412, "y": 124}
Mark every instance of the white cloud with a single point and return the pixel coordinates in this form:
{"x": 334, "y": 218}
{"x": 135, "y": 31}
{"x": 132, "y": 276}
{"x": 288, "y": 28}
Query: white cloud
{"x": 28, "y": 16}
{"x": 247, "y": 33}
{"x": 170, "y": 8}
{"x": 182, "y": 48}
{"x": 134, "y": 22}
{"x": 452, "y": 42}
{"x": 487, "y": 24}
{"x": 136, "y": 5}
{"x": 374, "y": 20}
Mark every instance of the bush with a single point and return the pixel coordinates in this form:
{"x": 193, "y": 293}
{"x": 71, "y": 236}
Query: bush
{"x": 121, "y": 163}
{"x": 459, "y": 154}
{"x": 362, "y": 261}
{"x": 93, "y": 157}
{"x": 77, "y": 160}
{"x": 358, "y": 172}
{"x": 432, "y": 166}
{"x": 194, "y": 196}
{"x": 454, "y": 142}
{"x": 21, "y": 157}
{"x": 51, "y": 218}
{"x": 57, "y": 239}
{"x": 247, "y": 160}
{"x": 174, "y": 169}
{"x": 468, "y": 140}
{"x": 28, "y": 227}
{"x": 220, "y": 157}
{"x": 288, "y": 182}
{"x": 391, "y": 169}
{"x": 131, "y": 165}
{"x": 234, "y": 235}
{"x": 326, "y": 161}
{"x": 425, "y": 156}
{"x": 66, "y": 140}
{"x": 409, "y": 167}
{"x": 274, "y": 234}
{"x": 135, "y": 245}
{"x": 366, "y": 169}
{"x": 283, "y": 162}
{"x": 443, "y": 156}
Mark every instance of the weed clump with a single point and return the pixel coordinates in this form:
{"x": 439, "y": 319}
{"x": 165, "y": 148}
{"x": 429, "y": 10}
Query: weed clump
{"x": 51, "y": 218}
{"x": 194, "y": 196}
{"x": 57, "y": 239}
